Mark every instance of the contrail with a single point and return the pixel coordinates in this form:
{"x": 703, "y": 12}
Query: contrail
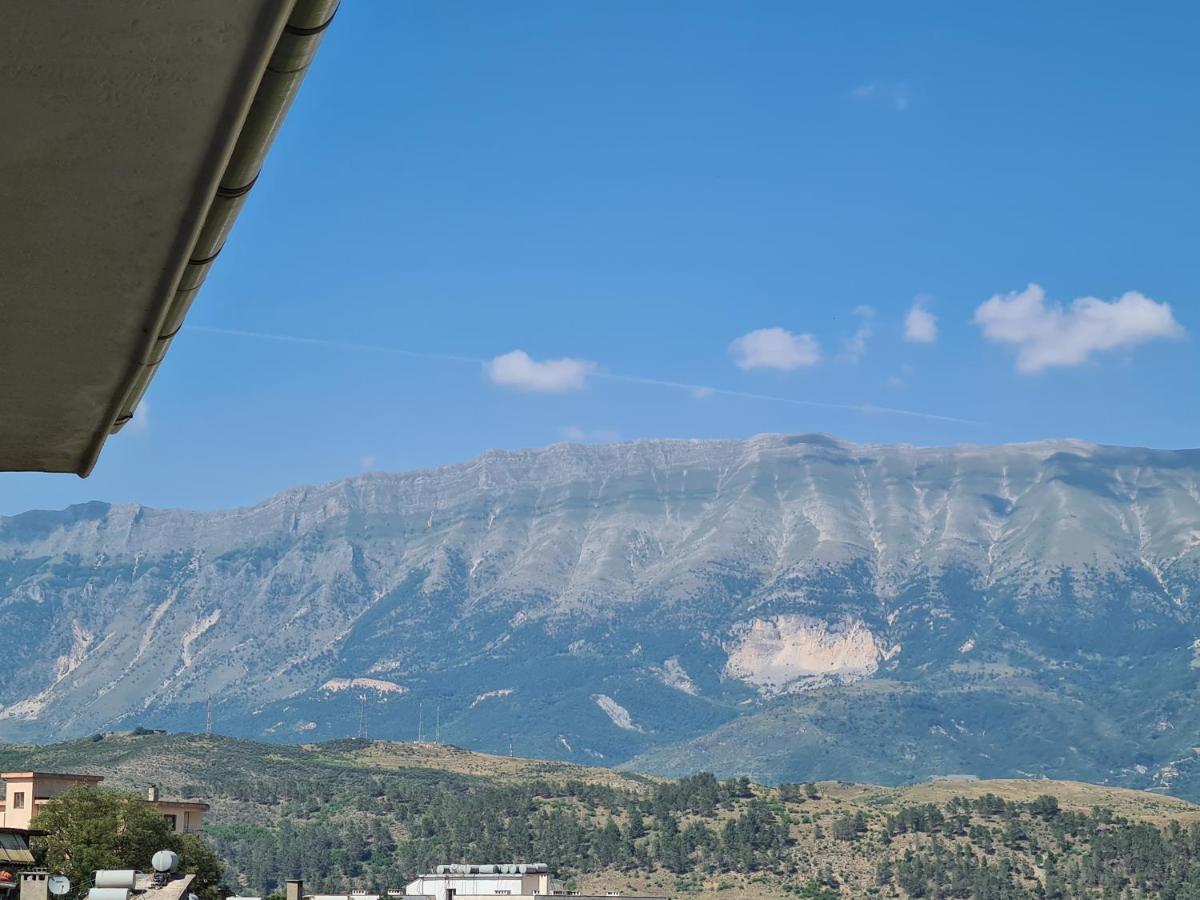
{"x": 866, "y": 408}
{"x": 698, "y": 389}
{"x": 336, "y": 345}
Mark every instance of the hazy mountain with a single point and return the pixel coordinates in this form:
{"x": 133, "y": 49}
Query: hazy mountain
{"x": 787, "y": 607}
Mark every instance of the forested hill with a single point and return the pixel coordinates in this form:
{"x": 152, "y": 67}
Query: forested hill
{"x": 370, "y": 814}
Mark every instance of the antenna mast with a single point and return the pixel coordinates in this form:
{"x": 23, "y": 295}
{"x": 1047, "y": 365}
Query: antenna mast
{"x": 420, "y": 721}
{"x": 362, "y": 717}
{"x": 208, "y": 717}
{"x": 437, "y": 732}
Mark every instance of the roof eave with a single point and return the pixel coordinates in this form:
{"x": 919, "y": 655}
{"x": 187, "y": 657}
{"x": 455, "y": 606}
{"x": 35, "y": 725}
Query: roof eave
{"x": 238, "y": 162}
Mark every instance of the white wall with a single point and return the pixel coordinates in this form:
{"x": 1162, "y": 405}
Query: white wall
{"x": 438, "y": 885}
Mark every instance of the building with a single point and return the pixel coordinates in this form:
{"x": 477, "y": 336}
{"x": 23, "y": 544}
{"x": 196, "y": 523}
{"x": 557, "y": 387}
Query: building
{"x": 184, "y": 816}
{"x": 26, "y": 792}
{"x": 514, "y": 881}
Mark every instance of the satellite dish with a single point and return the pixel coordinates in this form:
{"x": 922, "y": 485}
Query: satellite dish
{"x": 58, "y": 884}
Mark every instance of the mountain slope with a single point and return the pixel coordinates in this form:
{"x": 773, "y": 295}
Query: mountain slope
{"x": 900, "y": 611}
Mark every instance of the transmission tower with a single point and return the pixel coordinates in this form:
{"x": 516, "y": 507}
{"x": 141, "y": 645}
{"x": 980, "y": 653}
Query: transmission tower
{"x": 208, "y": 717}
{"x": 362, "y": 717}
{"x": 437, "y": 729}
{"x": 420, "y": 721}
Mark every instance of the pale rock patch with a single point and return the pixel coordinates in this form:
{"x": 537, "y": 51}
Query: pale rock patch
{"x": 790, "y": 652}
{"x": 369, "y": 684}
{"x": 194, "y": 633}
{"x": 386, "y": 665}
{"x": 490, "y": 695}
{"x": 618, "y": 714}
{"x": 674, "y": 675}
{"x": 30, "y": 707}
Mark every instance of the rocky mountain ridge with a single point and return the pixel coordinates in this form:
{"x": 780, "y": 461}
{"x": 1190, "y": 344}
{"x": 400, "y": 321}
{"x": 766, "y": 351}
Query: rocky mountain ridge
{"x": 650, "y": 602}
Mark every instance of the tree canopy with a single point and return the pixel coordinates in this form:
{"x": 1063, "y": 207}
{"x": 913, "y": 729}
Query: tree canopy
{"x": 89, "y": 828}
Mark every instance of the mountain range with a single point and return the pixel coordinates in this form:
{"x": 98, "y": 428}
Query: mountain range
{"x": 784, "y": 607}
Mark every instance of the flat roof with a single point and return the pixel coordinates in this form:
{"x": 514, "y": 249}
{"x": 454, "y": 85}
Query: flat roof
{"x": 13, "y": 776}
{"x": 181, "y": 804}
{"x": 132, "y": 133}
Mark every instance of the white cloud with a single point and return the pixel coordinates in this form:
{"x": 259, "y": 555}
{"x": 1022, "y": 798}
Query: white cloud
{"x": 578, "y": 435}
{"x": 775, "y": 348}
{"x": 702, "y": 392}
{"x": 899, "y": 380}
{"x": 518, "y": 370}
{"x": 1050, "y": 334}
{"x": 855, "y": 346}
{"x": 920, "y": 325}
{"x": 889, "y": 93}
{"x": 368, "y": 463}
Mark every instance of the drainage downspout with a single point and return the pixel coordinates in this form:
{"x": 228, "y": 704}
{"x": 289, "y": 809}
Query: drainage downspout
{"x": 280, "y": 81}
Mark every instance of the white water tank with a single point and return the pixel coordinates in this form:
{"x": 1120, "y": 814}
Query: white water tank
{"x": 116, "y": 878}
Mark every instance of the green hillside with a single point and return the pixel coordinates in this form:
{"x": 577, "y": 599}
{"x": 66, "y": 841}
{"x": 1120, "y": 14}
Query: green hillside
{"x": 370, "y": 814}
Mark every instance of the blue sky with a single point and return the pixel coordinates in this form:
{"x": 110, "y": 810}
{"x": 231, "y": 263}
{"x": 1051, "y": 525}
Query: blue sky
{"x": 649, "y": 198}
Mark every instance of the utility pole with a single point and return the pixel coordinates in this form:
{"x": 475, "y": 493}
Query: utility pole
{"x": 362, "y": 717}
{"x": 208, "y": 717}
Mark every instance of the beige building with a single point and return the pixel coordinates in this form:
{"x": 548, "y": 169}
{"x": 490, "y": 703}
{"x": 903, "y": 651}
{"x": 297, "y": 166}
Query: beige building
{"x": 26, "y": 792}
{"x": 184, "y": 816}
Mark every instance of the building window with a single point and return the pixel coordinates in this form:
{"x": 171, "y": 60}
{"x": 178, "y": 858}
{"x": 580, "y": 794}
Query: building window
{"x": 18, "y": 799}
{"x": 170, "y": 820}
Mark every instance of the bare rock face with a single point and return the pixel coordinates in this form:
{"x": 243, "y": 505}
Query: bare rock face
{"x": 784, "y": 606}
{"x": 788, "y": 652}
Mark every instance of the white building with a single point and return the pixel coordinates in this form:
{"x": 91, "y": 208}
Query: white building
{"x": 513, "y": 881}
{"x": 516, "y": 880}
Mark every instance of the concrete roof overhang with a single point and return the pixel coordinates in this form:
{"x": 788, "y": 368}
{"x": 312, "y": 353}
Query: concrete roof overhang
{"x": 132, "y": 131}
